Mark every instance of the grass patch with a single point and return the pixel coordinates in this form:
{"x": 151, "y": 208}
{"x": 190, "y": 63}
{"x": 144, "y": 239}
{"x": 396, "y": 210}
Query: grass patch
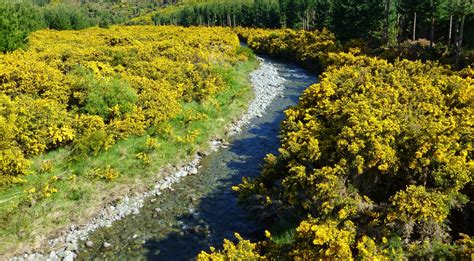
{"x": 60, "y": 191}
{"x": 283, "y": 232}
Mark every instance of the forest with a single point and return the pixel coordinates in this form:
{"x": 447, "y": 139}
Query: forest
{"x": 391, "y": 27}
{"x": 100, "y": 99}
{"x": 20, "y": 18}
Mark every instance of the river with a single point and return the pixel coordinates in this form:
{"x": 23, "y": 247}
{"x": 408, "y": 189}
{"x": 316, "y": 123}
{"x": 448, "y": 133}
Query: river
{"x": 201, "y": 210}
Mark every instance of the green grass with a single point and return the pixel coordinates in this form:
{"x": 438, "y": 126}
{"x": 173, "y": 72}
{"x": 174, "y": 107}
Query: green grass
{"x": 283, "y": 232}
{"x": 24, "y": 224}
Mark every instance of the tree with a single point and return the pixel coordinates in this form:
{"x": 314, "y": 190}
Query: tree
{"x": 410, "y": 12}
{"x": 461, "y": 9}
{"x": 322, "y": 13}
{"x": 357, "y": 19}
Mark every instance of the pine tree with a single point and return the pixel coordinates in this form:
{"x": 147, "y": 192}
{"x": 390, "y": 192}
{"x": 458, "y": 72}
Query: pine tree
{"x": 357, "y": 19}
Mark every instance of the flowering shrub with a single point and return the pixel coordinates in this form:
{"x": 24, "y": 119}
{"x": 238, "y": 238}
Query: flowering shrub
{"x": 87, "y": 89}
{"x": 306, "y": 47}
{"x": 46, "y": 166}
{"x": 316, "y": 241}
{"x": 243, "y": 250}
{"x": 45, "y": 190}
{"x": 107, "y": 173}
{"x": 376, "y": 161}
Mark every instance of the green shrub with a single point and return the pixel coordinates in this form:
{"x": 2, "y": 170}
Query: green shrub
{"x": 109, "y": 97}
{"x": 17, "y": 20}
{"x": 65, "y": 17}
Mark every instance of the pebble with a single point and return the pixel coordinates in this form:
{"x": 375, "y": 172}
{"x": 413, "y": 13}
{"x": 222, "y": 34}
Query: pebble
{"x": 89, "y": 244}
{"x": 69, "y": 257}
{"x": 106, "y": 245}
{"x": 193, "y": 171}
{"x": 72, "y": 247}
{"x": 53, "y": 256}
{"x": 61, "y": 253}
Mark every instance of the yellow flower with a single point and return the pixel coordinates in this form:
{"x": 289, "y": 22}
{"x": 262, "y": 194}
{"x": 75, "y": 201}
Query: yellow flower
{"x": 268, "y": 234}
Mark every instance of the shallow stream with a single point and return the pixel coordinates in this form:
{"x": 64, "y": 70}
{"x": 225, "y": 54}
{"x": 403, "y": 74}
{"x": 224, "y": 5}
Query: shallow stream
{"x": 201, "y": 210}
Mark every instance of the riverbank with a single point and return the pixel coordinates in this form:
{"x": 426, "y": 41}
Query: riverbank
{"x": 201, "y": 210}
{"x": 46, "y": 225}
{"x": 267, "y": 85}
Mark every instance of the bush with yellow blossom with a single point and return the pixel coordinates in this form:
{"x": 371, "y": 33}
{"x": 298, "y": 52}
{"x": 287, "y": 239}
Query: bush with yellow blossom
{"x": 88, "y": 89}
{"x": 376, "y": 161}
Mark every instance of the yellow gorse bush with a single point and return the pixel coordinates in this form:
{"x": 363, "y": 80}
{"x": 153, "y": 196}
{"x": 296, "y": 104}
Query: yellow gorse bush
{"x": 377, "y": 158}
{"x": 243, "y": 250}
{"x": 309, "y": 48}
{"x": 43, "y": 191}
{"x": 90, "y": 88}
{"x": 326, "y": 241}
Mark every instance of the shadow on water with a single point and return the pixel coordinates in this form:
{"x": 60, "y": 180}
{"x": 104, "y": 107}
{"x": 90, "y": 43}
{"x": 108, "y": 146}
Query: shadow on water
{"x": 202, "y": 210}
{"x": 220, "y": 210}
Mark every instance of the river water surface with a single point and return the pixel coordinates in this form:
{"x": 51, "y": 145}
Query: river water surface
{"x": 201, "y": 210}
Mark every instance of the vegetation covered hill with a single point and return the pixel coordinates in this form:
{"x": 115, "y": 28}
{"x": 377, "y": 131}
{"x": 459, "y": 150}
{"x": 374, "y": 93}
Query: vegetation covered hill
{"x": 88, "y": 115}
{"x": 20, "y": 18}
{"x": 427, "y": 30}
{"x": 376, "y": 161}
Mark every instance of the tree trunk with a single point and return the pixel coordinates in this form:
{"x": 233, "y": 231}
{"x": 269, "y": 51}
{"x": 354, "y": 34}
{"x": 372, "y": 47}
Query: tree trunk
{"x": 398, "y": 29}
{"x": 459, "y": 44}
{"x": 450, "y": 29}
{"x": 304, "y": 21}
{"x": 456, "y": 32}
{"x": 308, "y": 19}
{"x": 414, "y": 27}
{"x": 432, "y": 24}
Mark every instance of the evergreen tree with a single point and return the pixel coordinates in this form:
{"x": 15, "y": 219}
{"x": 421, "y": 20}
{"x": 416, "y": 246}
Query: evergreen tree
{"x": 353, "y": 19}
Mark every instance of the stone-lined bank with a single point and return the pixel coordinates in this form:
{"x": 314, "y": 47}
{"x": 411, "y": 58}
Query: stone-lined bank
{"x": 267, "y": 85}
{"x": 201, "y": 210}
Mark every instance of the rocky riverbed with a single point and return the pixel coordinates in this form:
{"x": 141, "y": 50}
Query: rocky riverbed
{"x": 267, "y": 84}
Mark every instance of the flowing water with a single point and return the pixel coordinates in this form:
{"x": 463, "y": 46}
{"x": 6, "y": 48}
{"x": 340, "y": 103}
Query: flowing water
{"x": 201, "y": 210}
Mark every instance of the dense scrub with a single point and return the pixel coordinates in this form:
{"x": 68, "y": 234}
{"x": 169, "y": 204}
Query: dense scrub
{"x": 376, "y": 161}
{"x": 91, "y": 88}
{"x": 19, "y": 18}
{"x": 428, "y": 29}
{"x": 308, "y": 48}
{"x": 17, "y": 21}
{"x": 90, "y": 116}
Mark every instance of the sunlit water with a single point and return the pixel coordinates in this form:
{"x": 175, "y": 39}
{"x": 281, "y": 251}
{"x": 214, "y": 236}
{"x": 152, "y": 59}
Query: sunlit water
{"x": 202, "y": 209}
